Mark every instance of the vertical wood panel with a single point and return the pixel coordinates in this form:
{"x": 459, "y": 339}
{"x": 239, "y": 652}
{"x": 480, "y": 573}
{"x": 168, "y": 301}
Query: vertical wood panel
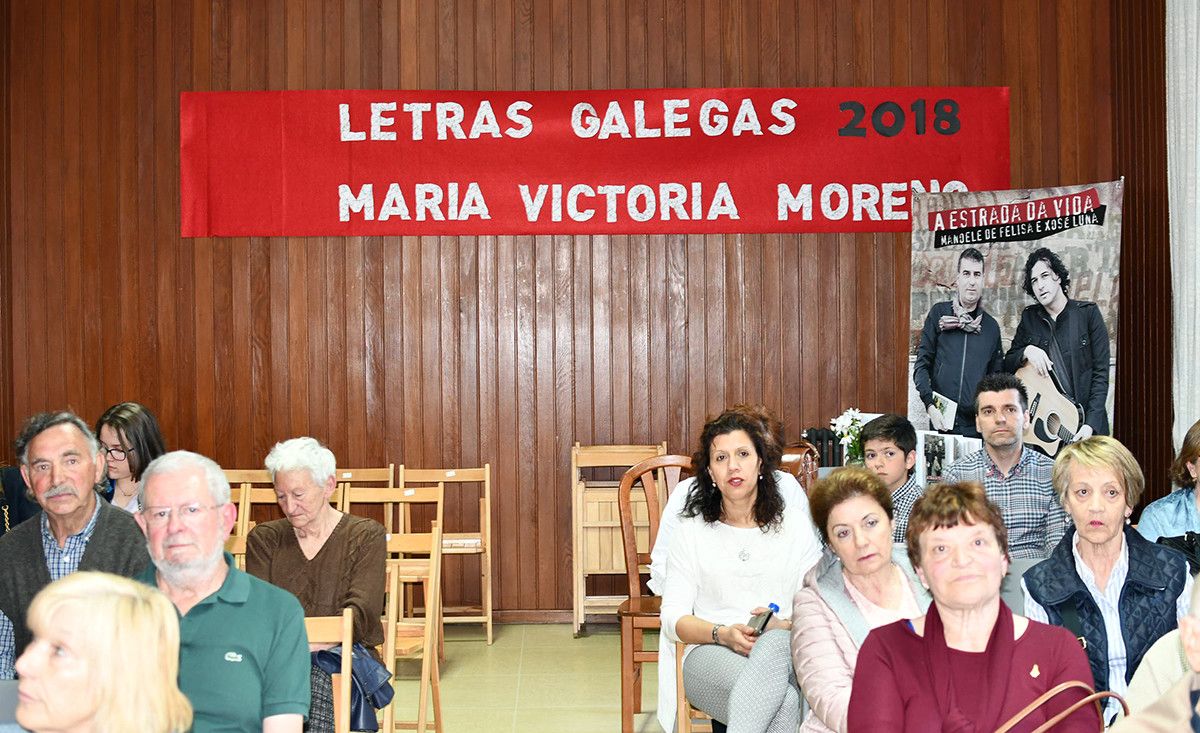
{"x": 1139, "y": 146}
{"x": 443, "y": 351}
{"x": 8, "y": 174}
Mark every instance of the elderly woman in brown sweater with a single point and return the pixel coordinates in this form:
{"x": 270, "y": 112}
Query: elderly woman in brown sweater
{"x": 327, "y": 559}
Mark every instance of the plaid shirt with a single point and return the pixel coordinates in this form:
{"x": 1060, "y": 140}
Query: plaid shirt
{"x": 59, "y": 562}
{"x": 1035, "y": 519}
{"x": 903, "y": 499}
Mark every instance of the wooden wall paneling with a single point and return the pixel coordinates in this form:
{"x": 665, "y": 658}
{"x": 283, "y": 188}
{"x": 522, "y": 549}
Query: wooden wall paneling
{"x": 619, "y": 336}
{"x": 545, "y": 514}
{"x": 523, "y": 327}
{"x": 448, "y": 350}
{"x": 564, "y": 417}
{"x": 71, "y": 192}
{"x": 316, "y": 324}
{"x": 14, "y": 312}
{"x": 1143, "y": 413}
{"x": 8, "y": 174}
{"x": 54, "y": 244}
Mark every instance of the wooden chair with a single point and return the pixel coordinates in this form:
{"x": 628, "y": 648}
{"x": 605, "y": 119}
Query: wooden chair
{"x": 639, "y": 613}
{"x": 383, "y": 478}
{"x": 246, "y": 487}
{"x": 400, "y": 500}
{"x": 801, "y": 459}
{"x": 595, "y": 524}
{"x": 236, "y": 546}
{"x": 466, "y": 543}
{"x": 371, "y": 487}
{"x": 418, "y": 562}
{"x": 686, "y": 715}
{"x": 336, "y": 630}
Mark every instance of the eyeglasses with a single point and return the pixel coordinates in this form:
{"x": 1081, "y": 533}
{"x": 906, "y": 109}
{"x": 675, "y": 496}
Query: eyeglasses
{"x": 117, "y": 454}
{"x": 157, "y": 516}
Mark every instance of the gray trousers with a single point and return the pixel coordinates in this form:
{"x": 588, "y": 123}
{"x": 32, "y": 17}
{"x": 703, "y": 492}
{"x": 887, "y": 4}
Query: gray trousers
{"x": 754, "y": 694}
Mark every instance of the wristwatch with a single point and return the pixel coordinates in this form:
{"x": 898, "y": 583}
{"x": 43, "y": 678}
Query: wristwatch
{"x": 714, "y": 632}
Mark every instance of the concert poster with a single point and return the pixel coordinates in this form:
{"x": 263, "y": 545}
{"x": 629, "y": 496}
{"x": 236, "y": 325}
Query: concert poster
{"x": 1024, "y": 281}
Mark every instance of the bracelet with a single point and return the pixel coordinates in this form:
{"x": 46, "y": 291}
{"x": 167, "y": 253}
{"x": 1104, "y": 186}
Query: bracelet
{"x": 714, "y": 633}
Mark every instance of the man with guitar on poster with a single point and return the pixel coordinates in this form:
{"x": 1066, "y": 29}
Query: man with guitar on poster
{"x": 1060, "y": 351}
{"x": 960, "y": 343}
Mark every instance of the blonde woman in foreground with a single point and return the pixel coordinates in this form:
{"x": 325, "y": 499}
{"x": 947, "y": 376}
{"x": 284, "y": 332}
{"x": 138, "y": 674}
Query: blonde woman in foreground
{"x": 104, "y": 659}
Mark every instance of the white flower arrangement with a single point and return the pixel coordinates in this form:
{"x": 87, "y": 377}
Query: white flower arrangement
{"x": 848, "y": 427}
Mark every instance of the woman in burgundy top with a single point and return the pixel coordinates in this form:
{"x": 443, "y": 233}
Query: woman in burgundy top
{"x": 969, "y": 664}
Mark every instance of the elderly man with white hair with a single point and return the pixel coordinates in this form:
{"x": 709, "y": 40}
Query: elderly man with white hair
{"x": 243, "y": 651}
{"x": 328, "y": 559}
{"x": 1177, "y": 709}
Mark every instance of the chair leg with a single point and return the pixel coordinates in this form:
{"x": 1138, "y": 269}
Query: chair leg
{"x": 639, "y": 644}
{"x": 389, "y": 710}
{"x": 485, "y": 571}
{"x": 628, "y": 684}
{"x": 423, "y": 702}
{"x": 441, "y": 624}
{"x": 436, "y": 683}
{"x": 335, "y": 680}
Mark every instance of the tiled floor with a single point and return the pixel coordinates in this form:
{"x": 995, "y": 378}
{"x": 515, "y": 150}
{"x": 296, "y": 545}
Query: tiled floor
{"x": 534, "y": 678}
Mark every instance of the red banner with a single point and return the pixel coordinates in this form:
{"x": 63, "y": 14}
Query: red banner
{"x": 689, "y": 161}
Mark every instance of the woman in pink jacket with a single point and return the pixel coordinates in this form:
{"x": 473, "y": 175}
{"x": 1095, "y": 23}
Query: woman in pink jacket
{"x": 862, "y": 581}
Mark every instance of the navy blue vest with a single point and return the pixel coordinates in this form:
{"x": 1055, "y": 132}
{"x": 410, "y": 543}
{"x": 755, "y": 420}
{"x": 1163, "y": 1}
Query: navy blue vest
{"x": 1156, "y": 577}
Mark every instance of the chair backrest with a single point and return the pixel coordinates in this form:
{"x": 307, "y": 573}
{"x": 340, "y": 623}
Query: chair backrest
{"x": 383, "y": 476}
{"x": 590, "y": 456}
{"x": 456, "y": 477}
{"x": 405, "y": 571}
{"x": 255, "y": 476}
{"x": 657, "y": 477}
{"x": 801, "y": 459}
{"x": 403, "y": 497}
{"x": 248, "y": 486}
{"x": 429, "y": 476}
{"x": 349, "y": 479}
{"x": 336, "y": 630}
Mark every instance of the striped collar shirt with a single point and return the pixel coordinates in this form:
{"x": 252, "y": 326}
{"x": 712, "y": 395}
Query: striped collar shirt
{"x": 1035, "y": 519}
{"x": 60, "y": 561}
{"x": 903, "y": 499}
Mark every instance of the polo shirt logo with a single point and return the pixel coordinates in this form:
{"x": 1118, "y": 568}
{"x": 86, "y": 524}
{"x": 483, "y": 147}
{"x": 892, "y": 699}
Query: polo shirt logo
{"x": 233, "y": 657}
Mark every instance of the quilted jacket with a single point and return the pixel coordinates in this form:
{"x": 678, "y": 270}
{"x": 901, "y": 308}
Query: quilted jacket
{"x": 1156, "y": 577}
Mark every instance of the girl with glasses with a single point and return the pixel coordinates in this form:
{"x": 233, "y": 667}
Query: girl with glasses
{"x": 130, "y": 439}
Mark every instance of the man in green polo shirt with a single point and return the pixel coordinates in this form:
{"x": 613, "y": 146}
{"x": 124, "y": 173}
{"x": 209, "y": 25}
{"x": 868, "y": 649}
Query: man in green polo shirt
{"x": 243, "y": 652}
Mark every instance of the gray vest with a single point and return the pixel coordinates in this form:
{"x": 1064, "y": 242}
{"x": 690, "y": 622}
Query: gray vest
{"x": 117, "y": 545}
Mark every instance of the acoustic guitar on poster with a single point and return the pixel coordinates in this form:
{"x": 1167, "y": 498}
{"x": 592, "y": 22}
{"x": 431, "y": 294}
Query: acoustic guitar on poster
{"x": 1054, "y": 418}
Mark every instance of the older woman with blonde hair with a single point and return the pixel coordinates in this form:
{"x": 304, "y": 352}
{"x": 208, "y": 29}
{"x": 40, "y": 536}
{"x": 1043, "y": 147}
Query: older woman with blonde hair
{"x": 1104, "y": 582}
{"x": 969, "y": 664}
{"x": 75, "y": 677}
{"x": 862, "y": 582}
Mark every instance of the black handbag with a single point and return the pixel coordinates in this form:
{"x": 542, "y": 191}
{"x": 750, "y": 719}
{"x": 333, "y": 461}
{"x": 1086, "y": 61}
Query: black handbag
{"x": 1187, "y": 543}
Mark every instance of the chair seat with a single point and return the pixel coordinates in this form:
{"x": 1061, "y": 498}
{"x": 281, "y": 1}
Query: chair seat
{"x": 645, "y": 606}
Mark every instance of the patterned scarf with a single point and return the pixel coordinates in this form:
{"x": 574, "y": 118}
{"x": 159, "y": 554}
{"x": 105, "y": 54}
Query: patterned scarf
{"x": 961, "y": 319}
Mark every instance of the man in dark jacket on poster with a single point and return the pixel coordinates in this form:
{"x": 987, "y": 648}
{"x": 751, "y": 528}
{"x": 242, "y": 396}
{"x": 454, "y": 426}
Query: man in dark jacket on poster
{"x": 1063, "y": 336}
{"x": 960, "y": 343}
